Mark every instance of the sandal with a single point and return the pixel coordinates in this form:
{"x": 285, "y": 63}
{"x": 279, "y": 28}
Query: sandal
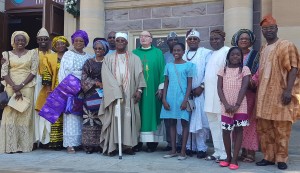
{"x": 210, "y": 158}
{"x": 233, "y": 166}
{"x": 70, "y": 150}
{"x": 249, "y": 158}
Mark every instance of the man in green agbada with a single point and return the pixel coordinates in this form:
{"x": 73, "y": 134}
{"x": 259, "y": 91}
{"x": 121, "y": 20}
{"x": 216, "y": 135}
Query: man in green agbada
{"x": 153, "y": 66}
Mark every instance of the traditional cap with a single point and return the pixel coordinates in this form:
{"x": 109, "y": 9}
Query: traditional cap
{"x": 12, "y": 40}
{"x": 104, "y": 43}
{"x": 219, "y": 32}
{"x": 172, "y": 35}
{"x": 121, "y": 34}
{"x": 82, "y": 34}
{"x": 268, "y": 20}
{"x": 42, "y": 33}
{"x": 60, "y": 38}
{"x": 236, "y": 36}
{"x": 192, "y": 33}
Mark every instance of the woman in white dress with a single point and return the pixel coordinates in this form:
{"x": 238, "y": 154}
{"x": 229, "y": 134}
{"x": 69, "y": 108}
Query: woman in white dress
{"x": 72, "y": 63}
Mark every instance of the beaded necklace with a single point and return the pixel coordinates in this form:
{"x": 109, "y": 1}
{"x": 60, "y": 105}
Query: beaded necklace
{"x": 189, "y": 59}
{"x": 126, "y": 69}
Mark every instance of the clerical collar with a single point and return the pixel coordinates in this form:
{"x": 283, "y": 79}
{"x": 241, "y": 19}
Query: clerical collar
{"x": 146, "y": 48}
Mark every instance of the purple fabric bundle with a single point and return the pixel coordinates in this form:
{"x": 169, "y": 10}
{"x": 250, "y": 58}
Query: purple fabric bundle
{"x": 56, "y": 102}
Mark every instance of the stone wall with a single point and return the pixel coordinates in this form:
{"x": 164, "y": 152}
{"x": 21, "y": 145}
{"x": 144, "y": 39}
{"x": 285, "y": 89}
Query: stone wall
{"x": 202, "y": 16}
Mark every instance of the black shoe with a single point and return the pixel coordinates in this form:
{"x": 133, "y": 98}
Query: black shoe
{"x": 167, "y": 148}
{"x": 189, "y": 153}
{"x": 264, "y": 162}
{"x": 138, "y": 147}
{"x": 150, "y": 150}
{"x": 129, "y": 151}
{"x": 282, "y": 165}
{"x": 201, "y": 154}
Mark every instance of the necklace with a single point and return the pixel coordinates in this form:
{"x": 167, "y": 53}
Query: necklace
{"x": 126, "y": 68}
{"x": 192, "y": 56}
{"x": 82, "y": 53}
{"x": 99, "y": 61}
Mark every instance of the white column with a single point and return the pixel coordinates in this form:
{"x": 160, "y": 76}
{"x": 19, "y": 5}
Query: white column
{"x": 238, "y": 14}
{"x": 92, "y": 20}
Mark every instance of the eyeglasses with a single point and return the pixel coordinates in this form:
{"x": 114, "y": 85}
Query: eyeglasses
{"x": 192, "y": 38}
{"x": 111, "y": 37}
{"x": 98, "y": 48}
{"x": 120, "y": 40}
{"x": 271, "y": 28}
{"x": 145, "y": 36}
{"x": 43, "y": 39}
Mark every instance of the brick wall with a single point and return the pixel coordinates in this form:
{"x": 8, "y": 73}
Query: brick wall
{"x": 202, "y": 16}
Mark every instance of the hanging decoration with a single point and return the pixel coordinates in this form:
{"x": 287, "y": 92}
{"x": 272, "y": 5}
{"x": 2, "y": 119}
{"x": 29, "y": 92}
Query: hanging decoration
{"x": 72, "y": 7}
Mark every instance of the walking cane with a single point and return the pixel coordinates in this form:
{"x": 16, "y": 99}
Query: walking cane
{"x": 118, "y": 115}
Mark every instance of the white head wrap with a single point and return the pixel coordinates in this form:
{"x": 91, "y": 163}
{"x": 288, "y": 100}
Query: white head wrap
{"x": 121, "y": 34}
{"x": 193, "y": 33}
{"x": 42, "y": 33}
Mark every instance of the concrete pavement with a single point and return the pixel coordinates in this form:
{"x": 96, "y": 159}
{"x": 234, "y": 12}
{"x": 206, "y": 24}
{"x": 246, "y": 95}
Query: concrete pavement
{"x": 48, "y": 161}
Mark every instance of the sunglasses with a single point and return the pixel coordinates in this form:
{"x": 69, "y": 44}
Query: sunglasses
{"x": 192, "y": 38}
{"x": 111, "y": 37}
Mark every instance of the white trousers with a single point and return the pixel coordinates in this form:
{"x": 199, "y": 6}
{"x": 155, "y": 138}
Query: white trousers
{"x": 214, "y": 121}
{"x": 196, "y": 141}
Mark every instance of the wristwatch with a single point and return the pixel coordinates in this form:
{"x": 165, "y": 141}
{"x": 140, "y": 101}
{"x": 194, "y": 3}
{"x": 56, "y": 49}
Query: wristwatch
{"x": 202, "y": 85}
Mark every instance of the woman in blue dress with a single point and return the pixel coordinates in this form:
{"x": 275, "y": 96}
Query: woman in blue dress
{"x": 177, "y": 89}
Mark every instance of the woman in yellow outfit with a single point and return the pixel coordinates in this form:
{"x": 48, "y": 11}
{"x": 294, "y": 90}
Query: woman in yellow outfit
{"x": 52, "y": 134}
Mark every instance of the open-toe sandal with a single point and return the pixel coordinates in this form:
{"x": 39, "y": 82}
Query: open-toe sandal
{"x": 70, "y": 150}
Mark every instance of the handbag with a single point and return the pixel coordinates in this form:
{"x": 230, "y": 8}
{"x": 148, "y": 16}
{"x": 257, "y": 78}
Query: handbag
{"x": 93, "y": 102}
{"x": 20, "y": 105}
{"x": 74, "y": 105}
{"x": 190, "y": 106}
{"x": 4, "y": 99}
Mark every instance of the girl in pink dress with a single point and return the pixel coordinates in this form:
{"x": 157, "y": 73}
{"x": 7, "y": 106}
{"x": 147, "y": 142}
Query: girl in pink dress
{"x": 233, "y": 82}
{"x": 245, "y": 39}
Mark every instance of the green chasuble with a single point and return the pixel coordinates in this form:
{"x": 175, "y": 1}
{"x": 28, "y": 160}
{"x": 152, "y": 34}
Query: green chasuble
{"x": 153, "y": 67}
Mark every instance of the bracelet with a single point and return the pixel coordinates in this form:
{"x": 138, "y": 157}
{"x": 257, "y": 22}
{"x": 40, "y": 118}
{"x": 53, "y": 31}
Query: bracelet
{"x": 22, "y": 84}
{"x": 141, "y": 91}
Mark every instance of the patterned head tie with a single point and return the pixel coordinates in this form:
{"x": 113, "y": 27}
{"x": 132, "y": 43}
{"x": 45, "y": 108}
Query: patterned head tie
{"x": 82, "y": 34}
{"x": 236, "y": 36}
{"x": 12, "y": 40}
{"x": 103, "y": 42}
{"x": 59, "y": 38}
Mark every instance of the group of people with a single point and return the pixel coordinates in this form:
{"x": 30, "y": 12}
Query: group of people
{"x": 242, "y": 96}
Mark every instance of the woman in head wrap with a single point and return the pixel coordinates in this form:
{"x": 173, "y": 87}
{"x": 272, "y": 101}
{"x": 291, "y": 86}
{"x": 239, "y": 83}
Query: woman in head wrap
{"x": 72, "y": 63}
{"x": 245, "y": 39}
{"x": 18, "y": 71}
{"x": 91, "y": 82}
{"x": 52, "y": 135}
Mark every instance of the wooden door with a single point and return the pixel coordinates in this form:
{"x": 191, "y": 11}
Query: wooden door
{"x": 3, "y": 32}
{"x": 53, "y": 18}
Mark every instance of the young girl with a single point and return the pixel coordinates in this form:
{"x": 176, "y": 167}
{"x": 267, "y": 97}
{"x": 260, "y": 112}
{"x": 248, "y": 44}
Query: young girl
{"x": 233, "y": 81}
{"x": 175, "y": 96}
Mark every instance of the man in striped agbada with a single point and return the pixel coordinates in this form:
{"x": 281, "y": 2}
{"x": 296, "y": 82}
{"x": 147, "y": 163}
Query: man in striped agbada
{"x": 278, "y": 94}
